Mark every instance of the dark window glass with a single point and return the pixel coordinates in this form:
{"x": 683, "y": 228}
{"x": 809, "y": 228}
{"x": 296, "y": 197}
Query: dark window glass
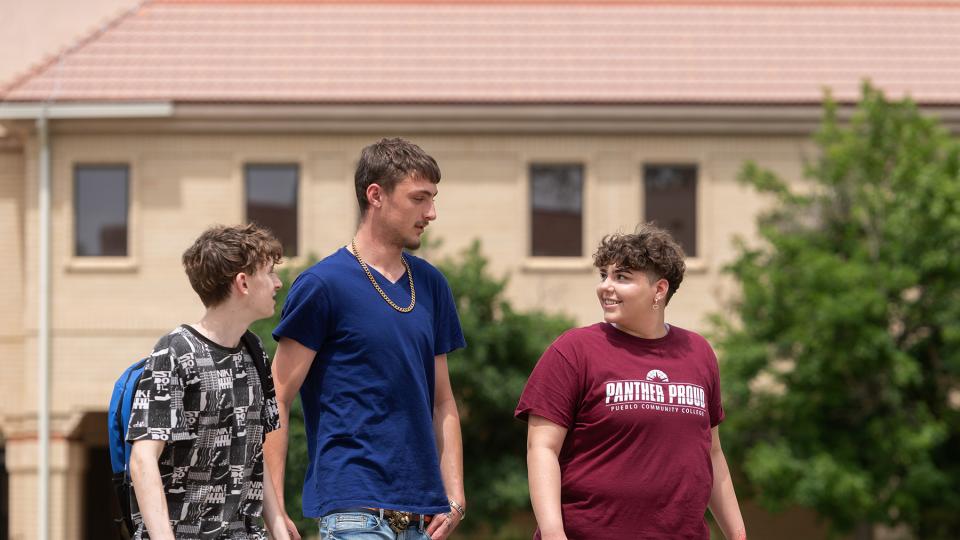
{"x": 670, "y": 195}
{"x": 272, "y": 201}
{"x": 556, "y": 213}
{"x": 102, "y": 199}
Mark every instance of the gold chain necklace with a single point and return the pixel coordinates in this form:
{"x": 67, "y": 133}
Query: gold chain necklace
{"x": 366, "y": 270}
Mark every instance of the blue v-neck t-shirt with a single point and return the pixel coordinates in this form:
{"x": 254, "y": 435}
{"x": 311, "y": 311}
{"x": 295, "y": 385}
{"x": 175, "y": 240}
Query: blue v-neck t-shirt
{"x": 368, "y": 396}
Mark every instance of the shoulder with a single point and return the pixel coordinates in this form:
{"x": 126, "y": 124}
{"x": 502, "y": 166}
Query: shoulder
{"x": 324, "y": 275}
{"x": 330, "y": 267}
{"x": 697, "y": 345}
{"x": 422, "y": 267}
{"x": 690, "y": 338}
{"x": 581, "y": 334}
{"x": 171, "y": 348}
{"x": 572, "y": 343}
{"x": 176, "y": 342}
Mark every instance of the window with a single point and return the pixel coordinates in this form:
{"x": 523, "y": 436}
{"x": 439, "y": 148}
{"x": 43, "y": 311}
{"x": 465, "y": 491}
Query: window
{"x": 102, "y": 198}
{"x": 670, "y": 196}
{"x": 272, "y": 201}
{"x": 556, "y": 214}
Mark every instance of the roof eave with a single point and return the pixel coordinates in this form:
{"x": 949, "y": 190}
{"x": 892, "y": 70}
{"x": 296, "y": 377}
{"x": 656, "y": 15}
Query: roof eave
{"x": 63, "y": 111}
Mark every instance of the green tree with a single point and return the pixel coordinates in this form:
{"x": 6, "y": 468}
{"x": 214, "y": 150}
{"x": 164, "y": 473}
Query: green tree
{"x": 296, "y": 467}
{"x": 503, "y": 345}
{"x": 488, "y": 376}
{"x": 841, "y": 365}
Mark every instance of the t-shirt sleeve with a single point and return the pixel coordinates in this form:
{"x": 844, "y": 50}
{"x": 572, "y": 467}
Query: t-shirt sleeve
{"x": 715, "y": 404}
{"x": 157, "y": 413}
{"x": 306, "y": 313}
{"x": 270, "y": 414}
{"x": 553, "y": 389}
{"x": 448, "y": 334}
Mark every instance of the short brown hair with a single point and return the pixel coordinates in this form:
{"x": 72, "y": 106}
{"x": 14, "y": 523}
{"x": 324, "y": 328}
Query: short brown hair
{"x": 387, "y": 162}
{"x": 649, "y": 249}
{"x": 221, "y": 252}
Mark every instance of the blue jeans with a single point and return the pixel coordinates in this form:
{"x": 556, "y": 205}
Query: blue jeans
{"x": 366, "y": 526}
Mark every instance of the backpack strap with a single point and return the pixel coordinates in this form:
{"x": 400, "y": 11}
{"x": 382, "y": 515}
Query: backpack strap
{"x": 252, "y": 344}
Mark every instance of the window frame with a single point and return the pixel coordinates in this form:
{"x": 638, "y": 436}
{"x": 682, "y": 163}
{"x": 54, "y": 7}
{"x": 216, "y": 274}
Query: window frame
{"x": 696, "y": 260}
{"x": 555, "y": 261}
{"x": 102, "y": 262}
{"x": 245, "y": 168}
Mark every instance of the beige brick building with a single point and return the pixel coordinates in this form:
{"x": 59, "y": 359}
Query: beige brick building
{"x": 553, "y": 125}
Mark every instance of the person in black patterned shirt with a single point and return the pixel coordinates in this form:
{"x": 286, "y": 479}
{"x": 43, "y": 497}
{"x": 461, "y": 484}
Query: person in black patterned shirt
{"x": 199, "y": 414}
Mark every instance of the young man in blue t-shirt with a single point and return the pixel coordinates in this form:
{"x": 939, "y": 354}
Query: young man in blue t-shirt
{"x": 364, "y": 337}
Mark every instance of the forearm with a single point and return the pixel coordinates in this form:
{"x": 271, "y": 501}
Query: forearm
{"x": 148, "y": 486}
{"x": 543, "y": 470}
{"x": 450, "y": 448}
{"x": 275, "y": 454}
{"x": 723, "y": 500}
{"x": 272, "y": 514}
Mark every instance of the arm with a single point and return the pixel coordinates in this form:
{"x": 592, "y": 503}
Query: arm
{"x": 273, "y": 515}
{"x": 290, "y": 367}
{"x": 723, "y": 499}
{"x": 149, "y": 488}
{"x": 446, "y": 427}
{"x": 544, "y": 440}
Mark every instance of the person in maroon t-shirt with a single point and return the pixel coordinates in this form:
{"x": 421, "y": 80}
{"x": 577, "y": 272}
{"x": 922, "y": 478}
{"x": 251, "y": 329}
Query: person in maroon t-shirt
{"x": 622, "y": 439}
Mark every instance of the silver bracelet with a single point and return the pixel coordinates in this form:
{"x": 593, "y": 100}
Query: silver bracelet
{"x": 456, "y": 506}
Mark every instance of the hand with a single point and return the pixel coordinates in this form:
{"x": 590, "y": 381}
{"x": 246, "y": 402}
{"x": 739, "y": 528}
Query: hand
{"x": 291, "y": 528}
{"x": 443, "y": 524}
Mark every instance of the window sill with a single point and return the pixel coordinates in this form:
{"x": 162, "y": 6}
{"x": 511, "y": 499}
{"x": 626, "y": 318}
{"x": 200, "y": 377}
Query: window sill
{"x": 696, "y": 265}
{"x": 557, "y": 264}
{"x": 85, "y": 265}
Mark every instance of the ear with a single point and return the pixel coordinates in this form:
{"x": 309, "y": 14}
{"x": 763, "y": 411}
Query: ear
{"x": 375, "y": 195}
{"x": 241, "y": 284}
{"x": 663, "y": 286}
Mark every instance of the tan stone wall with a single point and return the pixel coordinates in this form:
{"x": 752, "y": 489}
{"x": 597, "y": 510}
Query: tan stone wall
{"x": 107, "y": 312}
{"x": 11, "y": 293}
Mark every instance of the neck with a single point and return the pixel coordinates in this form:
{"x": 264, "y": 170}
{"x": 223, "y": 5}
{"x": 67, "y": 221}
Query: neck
{"x": 654, "y": 329}
{"x": 376, "y": 250}
{"x": 223, "y": 325}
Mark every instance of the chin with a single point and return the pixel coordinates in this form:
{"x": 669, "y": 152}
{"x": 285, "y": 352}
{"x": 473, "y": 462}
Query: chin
{"x": 611, "y": 318}
{"x": 412, "y": 245}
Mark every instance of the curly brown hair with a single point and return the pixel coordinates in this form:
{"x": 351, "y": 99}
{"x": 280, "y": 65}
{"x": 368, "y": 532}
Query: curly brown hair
{"x": 649, "y": 249}
{"x": 221, "y": 252}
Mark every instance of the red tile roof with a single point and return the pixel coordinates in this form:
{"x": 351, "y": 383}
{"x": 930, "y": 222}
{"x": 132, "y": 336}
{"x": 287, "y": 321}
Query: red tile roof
{"x": 453, "y": 51}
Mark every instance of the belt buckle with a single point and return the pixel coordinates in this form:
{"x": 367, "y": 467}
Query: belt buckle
{"x": 398, "y": 521}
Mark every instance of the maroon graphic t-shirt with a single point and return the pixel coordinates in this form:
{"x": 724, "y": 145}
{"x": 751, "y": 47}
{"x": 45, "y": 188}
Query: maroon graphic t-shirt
{"x": 636, "y": 459}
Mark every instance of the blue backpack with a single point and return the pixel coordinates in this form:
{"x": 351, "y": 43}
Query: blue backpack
{"x": 121, "y": 403}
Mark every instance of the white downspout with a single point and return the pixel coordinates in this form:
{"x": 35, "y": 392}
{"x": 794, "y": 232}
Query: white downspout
{"x": 43, "y": 330}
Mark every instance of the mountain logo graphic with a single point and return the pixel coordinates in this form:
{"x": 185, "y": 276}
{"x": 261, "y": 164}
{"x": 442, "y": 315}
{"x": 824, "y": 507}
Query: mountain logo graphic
{"x": 656, "y": 375}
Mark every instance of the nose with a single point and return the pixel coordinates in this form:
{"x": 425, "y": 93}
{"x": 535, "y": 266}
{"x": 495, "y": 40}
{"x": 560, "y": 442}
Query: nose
{"x": 606, "y": 284}
{"x": 431, "y": 212}
{"x": 277, "y": 283}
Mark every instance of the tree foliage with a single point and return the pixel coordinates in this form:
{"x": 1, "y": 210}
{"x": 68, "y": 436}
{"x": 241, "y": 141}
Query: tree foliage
{"x": 296, "y": 466}
{"x": 488, "y": 376}
{"x": 842, "y": 365}
{"x": 503, "y": 345}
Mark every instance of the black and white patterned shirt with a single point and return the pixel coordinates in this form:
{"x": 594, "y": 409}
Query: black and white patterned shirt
{"x": 206, "y": 402}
